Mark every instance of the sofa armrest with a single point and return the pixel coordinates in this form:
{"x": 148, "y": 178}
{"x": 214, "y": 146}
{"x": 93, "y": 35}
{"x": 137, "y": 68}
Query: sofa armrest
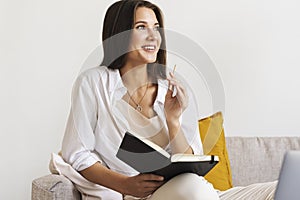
{"x": 54, "y": 187}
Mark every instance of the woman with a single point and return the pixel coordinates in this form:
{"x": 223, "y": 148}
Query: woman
{"x": 131, "y": 91}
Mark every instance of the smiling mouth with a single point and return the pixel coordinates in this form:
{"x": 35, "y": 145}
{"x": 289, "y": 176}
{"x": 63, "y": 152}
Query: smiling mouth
{"x": 149, "y": 48}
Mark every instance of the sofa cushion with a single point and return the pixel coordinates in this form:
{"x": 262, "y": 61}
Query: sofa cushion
{"x": 213, "y": 141}
{"x": 258, "y": 159}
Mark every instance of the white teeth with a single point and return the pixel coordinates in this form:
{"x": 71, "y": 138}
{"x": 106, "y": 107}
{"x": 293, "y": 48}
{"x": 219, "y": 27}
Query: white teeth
{"x": 149, "y": 47}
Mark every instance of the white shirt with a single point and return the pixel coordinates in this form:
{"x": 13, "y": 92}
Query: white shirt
{"x": 152, "y": 129}
{"x": 96, "y": 126}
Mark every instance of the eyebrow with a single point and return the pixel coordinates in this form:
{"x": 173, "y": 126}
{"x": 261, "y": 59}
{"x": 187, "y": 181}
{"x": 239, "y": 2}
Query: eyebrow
{"x": 144, "y": 22}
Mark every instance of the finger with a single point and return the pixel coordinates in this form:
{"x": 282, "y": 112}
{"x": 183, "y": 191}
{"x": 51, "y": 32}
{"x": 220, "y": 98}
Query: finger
{"x": 181, "y": 93}
{"x": 154, "y": 184}
{"x": 179, "y": 88}
{"x": 170, "y": 87}
{"x": 173, "y": 87}
{"x": 146, "y": 194}
{"x": 181, "y": 96}
{"x": 182, "y": 89}
{"x": 152, "y": 177}
{"x": 173, "y": 80}
{"x": 169, "y": 95}
{"x": 180, "y": 100}
{"x": 172, "y": 77}
{"x": 146, "y": 190}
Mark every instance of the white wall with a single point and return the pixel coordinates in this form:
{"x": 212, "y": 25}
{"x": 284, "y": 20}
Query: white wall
{"x": 254, "y": 45}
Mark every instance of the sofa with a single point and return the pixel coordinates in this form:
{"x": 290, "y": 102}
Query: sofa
{"x": 252, "y": 160}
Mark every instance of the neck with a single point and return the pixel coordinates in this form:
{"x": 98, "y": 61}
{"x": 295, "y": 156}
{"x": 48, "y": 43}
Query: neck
{"x": 134, "y": 77}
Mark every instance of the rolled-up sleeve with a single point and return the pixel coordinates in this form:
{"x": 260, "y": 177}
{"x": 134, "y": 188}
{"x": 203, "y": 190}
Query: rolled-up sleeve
{"x": 78, "y": 147}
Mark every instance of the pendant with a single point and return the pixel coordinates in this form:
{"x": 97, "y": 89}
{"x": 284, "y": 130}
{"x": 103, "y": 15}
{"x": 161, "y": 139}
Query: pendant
{"x": 139, "y": 108}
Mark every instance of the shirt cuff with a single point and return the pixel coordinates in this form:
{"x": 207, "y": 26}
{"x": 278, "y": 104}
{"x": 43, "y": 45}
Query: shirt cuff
{"x": 85, "y": 160}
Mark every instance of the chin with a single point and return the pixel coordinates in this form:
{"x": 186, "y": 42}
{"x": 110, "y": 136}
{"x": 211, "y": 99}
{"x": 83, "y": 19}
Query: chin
{"x": 150, "y": 59}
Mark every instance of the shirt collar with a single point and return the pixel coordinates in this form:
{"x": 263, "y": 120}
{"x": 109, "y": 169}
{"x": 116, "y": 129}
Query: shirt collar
{"x": 116, "y": 85}
{"x": 115, "y": 80}
{"x": 162, "y": 90}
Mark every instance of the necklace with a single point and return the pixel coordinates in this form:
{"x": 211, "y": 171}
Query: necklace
{"x": 138, "y": 105}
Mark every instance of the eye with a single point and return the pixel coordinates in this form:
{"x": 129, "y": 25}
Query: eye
{"x": 140, "y": 27}
{"x": 156, "y": 28}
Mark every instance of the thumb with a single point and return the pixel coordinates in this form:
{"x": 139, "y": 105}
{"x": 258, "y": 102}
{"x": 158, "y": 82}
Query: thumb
{"x": 169, "y": 92}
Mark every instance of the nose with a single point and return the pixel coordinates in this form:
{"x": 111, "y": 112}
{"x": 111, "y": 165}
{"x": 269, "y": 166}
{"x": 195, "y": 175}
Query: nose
{"x": 152, "y": 34}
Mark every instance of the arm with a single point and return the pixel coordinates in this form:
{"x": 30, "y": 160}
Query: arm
{"x": 178, "y": 141}
{"x": 174, "y": 107}
{"x": 141, "y": 185}
{"x": 78, "y": 148}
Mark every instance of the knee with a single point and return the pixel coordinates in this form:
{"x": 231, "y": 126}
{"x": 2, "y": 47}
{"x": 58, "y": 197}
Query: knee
{"x": 197, "y": 187}
{"x": 189, "y": 187}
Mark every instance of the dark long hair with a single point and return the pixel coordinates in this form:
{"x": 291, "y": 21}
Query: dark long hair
{"x": 118, "y": 22}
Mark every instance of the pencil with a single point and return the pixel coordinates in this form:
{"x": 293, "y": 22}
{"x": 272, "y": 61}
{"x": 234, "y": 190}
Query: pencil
{"x": 174, "y": 69}
{"x": 170, "y": 87}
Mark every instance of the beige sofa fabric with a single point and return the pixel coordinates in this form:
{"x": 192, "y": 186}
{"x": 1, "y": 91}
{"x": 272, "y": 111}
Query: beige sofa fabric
{"x": 258, "y": 159}
{"x": 252, "y": 160}
{"x": 53, "y": 187}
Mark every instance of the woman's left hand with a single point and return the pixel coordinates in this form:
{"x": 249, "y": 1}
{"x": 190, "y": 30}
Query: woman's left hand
{"x": 174, "y": 106}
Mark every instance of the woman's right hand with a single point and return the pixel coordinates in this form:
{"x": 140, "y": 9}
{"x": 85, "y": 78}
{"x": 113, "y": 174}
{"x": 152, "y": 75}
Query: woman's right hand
{"x": 142, "y": 185}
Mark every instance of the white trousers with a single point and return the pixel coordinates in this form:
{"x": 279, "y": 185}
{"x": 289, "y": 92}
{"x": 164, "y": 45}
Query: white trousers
{"x": 184, "y": 187}
{"x": 193, "y": 187}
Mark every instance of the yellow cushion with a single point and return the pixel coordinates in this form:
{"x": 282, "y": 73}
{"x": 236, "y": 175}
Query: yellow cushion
{"x": 213, "y": 141}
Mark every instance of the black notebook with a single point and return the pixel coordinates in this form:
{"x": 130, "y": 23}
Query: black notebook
{"x": 147, "y": 157}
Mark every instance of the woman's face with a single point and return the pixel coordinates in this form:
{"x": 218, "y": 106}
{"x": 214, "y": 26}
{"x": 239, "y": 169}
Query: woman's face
{"x": 145, "y": 38}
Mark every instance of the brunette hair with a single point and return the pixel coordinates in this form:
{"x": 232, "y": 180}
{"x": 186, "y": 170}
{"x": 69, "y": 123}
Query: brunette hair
{"x": 118, "y": 22}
